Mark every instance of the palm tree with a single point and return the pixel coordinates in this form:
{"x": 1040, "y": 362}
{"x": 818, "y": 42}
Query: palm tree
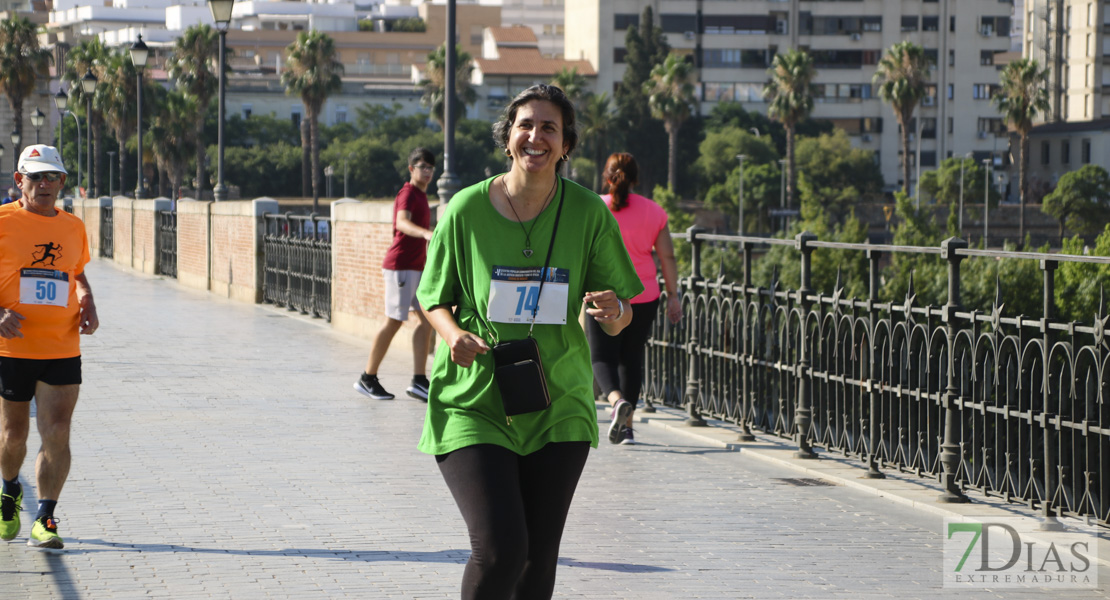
{"x": 790, "y": 94}
{"x": 115, "y": 95}
{"x": 312, "y": 71}
{"x": 435, "y": 78}
{"x": 598, "y": 123}
{"x": 194, "y": 65}
{"x": 1024, "y": 95}
{"x": 670, "y": 95}
{"x": 573, "y": 84}
{"x": 171, "y": 137}
{"x": 22, "y": 61}
{"x": 88, "y": 56}
{"x": 902, "y": 77}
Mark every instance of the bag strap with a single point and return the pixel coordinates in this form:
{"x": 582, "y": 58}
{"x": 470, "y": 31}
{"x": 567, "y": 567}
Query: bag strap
{"x": 550, "y": 247}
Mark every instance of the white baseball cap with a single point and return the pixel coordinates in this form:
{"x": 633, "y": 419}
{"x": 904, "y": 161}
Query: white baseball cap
{"x": 39, "y": 158}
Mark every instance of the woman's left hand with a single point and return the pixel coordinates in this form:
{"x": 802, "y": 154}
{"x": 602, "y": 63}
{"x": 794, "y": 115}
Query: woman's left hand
{"x": 674, "y": 309}
{"x": 606, "y": 306}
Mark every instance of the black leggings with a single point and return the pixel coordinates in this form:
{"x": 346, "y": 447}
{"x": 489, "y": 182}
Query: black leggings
{"x": 619, "y": 359}
{"x": 515, "y": 508}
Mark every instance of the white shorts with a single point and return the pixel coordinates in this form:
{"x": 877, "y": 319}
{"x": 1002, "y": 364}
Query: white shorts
{"x": 400, "y": 293}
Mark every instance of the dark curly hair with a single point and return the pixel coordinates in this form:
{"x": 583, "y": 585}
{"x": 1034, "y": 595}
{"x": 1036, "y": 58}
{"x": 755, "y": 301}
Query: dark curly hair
{"x": 540, "y": 91}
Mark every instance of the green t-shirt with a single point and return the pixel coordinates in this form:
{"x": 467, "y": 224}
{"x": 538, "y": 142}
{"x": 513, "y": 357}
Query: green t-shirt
{"x": 464, "y": 404}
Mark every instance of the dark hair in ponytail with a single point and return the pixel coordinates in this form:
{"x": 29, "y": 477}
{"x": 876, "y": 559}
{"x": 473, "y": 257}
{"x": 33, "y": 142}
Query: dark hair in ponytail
{"x": 621, "y": 173}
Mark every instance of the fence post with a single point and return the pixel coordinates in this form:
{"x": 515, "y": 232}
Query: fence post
{"x": 1050, "y": 523}
{"x": 950, "y": 445}
{"x": 693, "y": 376}
{"x": 873, "y": 472}
{"x": 745, "y": 345}
{"x": 803, "y": 417}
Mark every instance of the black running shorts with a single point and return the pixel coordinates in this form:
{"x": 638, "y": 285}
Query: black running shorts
{"x": 18, "y": 376}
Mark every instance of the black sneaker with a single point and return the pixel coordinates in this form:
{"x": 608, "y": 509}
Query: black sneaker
{"x": 418, "y": 389}
{"x": 369, "y": 386}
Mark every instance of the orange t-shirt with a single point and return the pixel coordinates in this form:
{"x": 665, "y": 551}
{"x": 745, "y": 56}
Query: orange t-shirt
{"x": 40, "y": 259}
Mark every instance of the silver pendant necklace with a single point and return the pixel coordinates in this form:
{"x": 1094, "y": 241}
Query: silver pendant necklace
{"x": 527, "y": 251}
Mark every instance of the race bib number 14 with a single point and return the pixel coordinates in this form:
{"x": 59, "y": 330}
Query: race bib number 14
{"x": 514, "y": 293}
{"x": 43, "y": 286}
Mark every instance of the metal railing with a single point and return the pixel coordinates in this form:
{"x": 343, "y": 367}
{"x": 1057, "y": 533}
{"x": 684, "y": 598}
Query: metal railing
{"x": 1017, "y": 408}
{"x": 106, "y": 245}
{"x": 298, "y": 263}
{"x": 167, "y": 242}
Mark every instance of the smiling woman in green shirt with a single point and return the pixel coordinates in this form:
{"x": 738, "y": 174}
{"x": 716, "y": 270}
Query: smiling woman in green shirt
{"x": 513, "y": 479}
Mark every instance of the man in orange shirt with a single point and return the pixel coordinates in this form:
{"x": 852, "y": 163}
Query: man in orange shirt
{"x": 45, "y": 303}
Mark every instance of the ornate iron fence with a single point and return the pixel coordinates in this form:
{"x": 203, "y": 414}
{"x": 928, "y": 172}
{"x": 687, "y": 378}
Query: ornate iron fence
{"x": 1017, "y": 408}
{"x": 298, "y": 263}
{"x": 167, "y": 242}
{"x": 106, "y": 245}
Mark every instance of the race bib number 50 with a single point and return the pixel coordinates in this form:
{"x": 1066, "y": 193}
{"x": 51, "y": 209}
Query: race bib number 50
{"x": 43, "y": 286}
{"x": 514, "y": 292}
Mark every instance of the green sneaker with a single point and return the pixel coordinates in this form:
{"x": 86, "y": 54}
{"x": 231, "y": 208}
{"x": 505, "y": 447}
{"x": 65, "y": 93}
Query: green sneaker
{"x": 9, "y": 515}
{"x": 44, "y": 534}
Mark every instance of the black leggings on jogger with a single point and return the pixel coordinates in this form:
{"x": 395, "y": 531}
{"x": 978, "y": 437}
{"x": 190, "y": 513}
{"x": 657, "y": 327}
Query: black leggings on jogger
{"x": 619, "y": 359}
{"x": 515, "y": 508}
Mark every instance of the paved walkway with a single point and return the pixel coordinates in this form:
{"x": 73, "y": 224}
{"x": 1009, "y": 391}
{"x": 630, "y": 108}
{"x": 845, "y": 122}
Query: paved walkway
{"x": 220, "y": 452}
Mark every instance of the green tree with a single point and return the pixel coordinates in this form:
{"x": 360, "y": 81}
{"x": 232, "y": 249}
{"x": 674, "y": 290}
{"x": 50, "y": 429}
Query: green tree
{"x": 194, "y": 66}
{"x": 1022, "y": 97}
{"x": 1081, "y": 287}
{"x": 22, "y": 62}
{"x": 266, "y": 170}
{"x": 313, "y": 71}
{"x": 408, "y": 25}
{"x": 171, "y": 137}
{"x": 943, "y": 184}
{"x": 1081, "y": 200}
{"x": 902, "y": 77}
{"x": 645, "y": 47}
{"x": 89, "y": 56}
{"x": 573, "y": 84}
{"x": 790, "y": 94}
{"x": 670, "y": 95}
{"x": 115, "y": 94}
{"x": 435, "y": 80}
{"x": 597, "y": 125}
{"x": 833, "y": 177}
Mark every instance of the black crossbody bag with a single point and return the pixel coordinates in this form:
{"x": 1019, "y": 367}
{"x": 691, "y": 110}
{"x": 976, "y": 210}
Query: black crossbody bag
{"x": 518, "y": 369}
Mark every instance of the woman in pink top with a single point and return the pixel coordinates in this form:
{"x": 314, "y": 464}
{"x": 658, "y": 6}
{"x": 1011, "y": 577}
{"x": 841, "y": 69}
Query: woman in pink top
{"x": 619, "y": 360}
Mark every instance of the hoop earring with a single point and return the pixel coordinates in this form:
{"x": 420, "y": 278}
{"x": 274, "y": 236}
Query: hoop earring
{"x": 508, "y": 153}
{"x": 566, "y": 158}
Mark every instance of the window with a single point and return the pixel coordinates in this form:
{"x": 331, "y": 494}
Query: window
{"x": 722, "y": 58}
{"x": 1065, "y": 152}
{"x": 951, "y": 124}
{"x": 928, "y": 158}
{"x": 909, "y": 23}
{"x": 296, "y": 117}
{"x": 1045, "y": 153}
{"x": 1085, "y": 150}
{"x": 928, "y": 128}
{"x": 675, "y": 23}
{"x": 951, "y": 91}
{"x": 981, "y": 91}
{"x": 986, "y": 57}
{"x": 933, "y": 55}
{"x": 625, "y": 21}
{"x": 619, "y": 54}
{"x": 476, "y": 35}
{"x": 930, "y": 23}
{"x": 951, "y": 58}
{"x": 247, "y": 108}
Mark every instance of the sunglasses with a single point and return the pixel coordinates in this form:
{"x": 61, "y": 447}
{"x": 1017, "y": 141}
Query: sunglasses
{"x": 50, "y": 176}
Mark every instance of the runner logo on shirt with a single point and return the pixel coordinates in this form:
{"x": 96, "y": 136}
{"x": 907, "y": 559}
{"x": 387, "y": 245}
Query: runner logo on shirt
{"x": 47, "y": 255}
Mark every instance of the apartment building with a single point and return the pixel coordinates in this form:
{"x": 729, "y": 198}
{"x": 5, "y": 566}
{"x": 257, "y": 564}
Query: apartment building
{"x": 732, "y": 44}
{"x": 544, "y": 17}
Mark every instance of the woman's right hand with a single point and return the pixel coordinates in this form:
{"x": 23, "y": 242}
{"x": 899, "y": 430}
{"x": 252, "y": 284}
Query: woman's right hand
{"x": 465, "y": 346}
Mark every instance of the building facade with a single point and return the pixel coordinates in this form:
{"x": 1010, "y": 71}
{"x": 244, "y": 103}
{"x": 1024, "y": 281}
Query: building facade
{"x": 732, "y": 44}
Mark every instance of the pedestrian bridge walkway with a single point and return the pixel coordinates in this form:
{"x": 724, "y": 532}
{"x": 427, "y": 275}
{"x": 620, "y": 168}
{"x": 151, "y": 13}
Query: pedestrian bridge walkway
{"x": 220, "y": 452}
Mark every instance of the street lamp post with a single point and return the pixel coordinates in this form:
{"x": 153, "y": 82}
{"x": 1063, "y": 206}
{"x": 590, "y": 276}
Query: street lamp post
{"x": 961, "y": 216}
{"x": 16, "y": 138}
{"x": 740, "y": 197}
{"x": 139, "y": 54}
{"x": 88, "y": 85}
{"x": 111, "y": 170}
{"x": 60, "y": 101}
{"x": 346, "y": 161}
{"x": 986, "y": 200}
{"x": 221, "y": 13}
{"x": 37, "y": 119}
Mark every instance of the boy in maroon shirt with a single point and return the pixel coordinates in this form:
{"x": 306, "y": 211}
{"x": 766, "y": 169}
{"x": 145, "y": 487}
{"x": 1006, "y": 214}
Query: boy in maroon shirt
{"x": 403, "y": 264}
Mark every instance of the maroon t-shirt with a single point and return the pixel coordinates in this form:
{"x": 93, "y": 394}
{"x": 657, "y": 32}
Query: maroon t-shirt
{"x": 407, "y": 253}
